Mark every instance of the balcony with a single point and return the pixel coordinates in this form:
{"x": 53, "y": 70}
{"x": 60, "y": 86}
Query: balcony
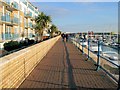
{"x": 6, "y": 19}
{"x": 24, "y": 2}
{"x": 28, "y": 14}
{"x": 30, "y": 25}
{"x": 26, "y": 25}
{"x": 15, "y": 20}
{"x": 7, "y": 36}
{"x": 33, "y": 18}
{"x": 36, "y": 11}
{"x": 13, "y": 6}
{"x": 6, "y": 2}
{"x": 30, "y": 7}
{"x": 30, "y": 35}
{"x": 34, "y": 25}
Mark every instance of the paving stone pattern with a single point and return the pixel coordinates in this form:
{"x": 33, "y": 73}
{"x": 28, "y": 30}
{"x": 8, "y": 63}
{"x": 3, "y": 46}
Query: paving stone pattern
{"x": 66, "y": 67}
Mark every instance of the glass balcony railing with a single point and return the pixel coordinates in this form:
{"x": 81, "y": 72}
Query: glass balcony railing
{"x": 26, "y": 25}
{"x": 30, "y": 35}
{"x": 30, "y": 25}
{"x": 15, "y": 36}
{"x": 15, "y": 5}
{"x": 29, "y": 14}
{"x": 11, "y": 5}
{"x": 37, "y": 12}
{"x": 7, "y": 36}
{"x": 6, "y": 18}
{"x": 33, "y": 18}
{"x": 6, "y": 1}
{"x": 31, "y": 7}
{"x": 24, "y": 1}
{"x": 3, "y": 18}
{"x": 15, "y": 20}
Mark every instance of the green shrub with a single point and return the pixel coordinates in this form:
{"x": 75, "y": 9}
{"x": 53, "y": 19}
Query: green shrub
{"x": 31, "y": 42}
{"x": 11, "y": 45}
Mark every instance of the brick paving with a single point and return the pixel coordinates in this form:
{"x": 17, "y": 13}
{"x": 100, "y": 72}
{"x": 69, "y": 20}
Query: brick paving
{"x": 66, "y": 67}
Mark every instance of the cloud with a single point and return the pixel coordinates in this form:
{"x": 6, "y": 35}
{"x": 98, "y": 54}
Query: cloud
{"x": 54, "y": 11}
{"x": 89, "y": 27}
{"x": 70, "y": 18}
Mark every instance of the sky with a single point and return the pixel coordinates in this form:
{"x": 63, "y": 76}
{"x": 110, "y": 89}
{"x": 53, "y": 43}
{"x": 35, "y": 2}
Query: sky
{"x": 82, "y": 16}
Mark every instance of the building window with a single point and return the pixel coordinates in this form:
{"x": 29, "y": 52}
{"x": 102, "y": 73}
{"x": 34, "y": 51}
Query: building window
{"x": 16, "y": 33}
{"x": 16, "y": 30}
{"x": 8, "y": 33}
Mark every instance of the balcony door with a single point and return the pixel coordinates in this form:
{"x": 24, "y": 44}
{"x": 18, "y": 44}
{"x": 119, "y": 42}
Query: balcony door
{"x": 8, "y": 13}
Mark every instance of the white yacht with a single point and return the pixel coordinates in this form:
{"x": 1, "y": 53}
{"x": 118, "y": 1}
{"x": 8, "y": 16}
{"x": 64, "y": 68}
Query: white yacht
{"x": 94, "y": 48}
{"x": 112, "y": 56}
{"x": 83, "y": 43}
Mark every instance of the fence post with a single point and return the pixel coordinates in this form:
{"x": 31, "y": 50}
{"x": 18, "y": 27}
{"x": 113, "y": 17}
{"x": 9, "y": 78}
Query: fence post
{"x": 88, "y": 49}
{"x": 76, "y": 43}
{"x": 119, "y": 65}
{"x": 73, "y": 40}
{"x": 82, "y": 47}
{"x": 119, "y": 79}
{"x": 79, "y": 45}
{"x": 98, "y": 57}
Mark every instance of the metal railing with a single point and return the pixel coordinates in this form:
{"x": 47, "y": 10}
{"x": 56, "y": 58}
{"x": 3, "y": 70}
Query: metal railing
{"x": 101, "y": 62}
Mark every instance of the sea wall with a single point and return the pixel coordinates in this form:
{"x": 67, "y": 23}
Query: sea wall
{"x": 15, "y": 67}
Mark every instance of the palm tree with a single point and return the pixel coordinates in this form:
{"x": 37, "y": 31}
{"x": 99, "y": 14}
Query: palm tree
{"x": 38, "y": 31}
{"x": 41, "y": 23}
{"x": 53, "y": 30}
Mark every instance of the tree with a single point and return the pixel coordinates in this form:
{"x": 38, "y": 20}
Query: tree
{"x": 41, "y": 23}
{"x": 53, "y": 30}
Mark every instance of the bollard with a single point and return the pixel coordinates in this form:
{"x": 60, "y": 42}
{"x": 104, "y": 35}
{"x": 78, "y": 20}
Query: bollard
{"x": 98, "y": 57}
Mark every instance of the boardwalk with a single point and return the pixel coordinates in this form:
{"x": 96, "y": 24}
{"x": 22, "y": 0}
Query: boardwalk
{"x": 65, "y": 67}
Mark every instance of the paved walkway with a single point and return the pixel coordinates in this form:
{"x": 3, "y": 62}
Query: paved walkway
{"x": 65, "y": 67}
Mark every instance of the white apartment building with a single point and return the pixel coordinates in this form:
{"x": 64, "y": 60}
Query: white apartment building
{"x": 17, "y": 19}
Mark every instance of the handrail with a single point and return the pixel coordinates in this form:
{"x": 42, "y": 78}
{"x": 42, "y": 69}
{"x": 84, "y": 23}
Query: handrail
{"x": 98, "y": 61}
